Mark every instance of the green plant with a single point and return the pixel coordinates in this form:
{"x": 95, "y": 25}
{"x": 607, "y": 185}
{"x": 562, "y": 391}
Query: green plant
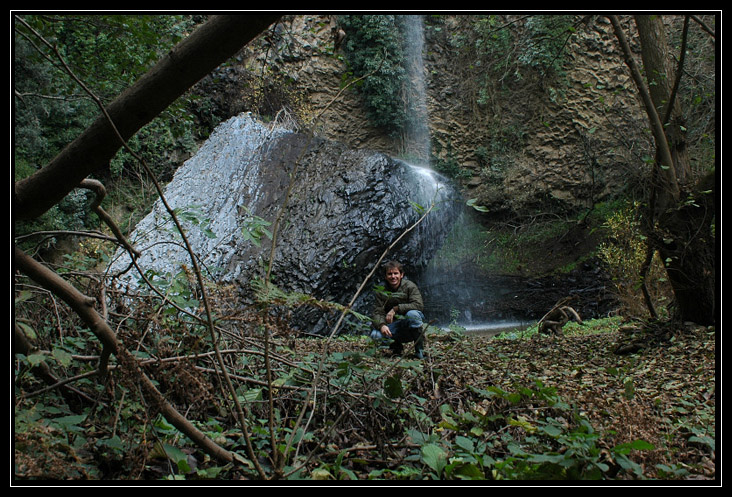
{"x": 373, "y": 47}
{"x": 624, "y": 253}
{"x": 560, "y": 444}
{"x": 255, "y": 228}
{"x": 547, "y": 41}
{"x": 334, "y": 471}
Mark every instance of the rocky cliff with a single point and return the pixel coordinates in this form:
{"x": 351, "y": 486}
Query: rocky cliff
{"x": 544, "y": 142}
{"x": 518, "y": 144}
{"x": 527, "y": 146}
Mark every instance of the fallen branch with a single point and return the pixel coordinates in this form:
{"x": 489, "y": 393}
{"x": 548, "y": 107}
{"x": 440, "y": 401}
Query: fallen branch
{"x": 84, "y": 308}
{"x": 559, "y": 315}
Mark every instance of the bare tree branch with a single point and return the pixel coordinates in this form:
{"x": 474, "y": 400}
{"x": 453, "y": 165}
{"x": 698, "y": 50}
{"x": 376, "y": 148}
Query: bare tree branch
{"x": 84, "y": 307}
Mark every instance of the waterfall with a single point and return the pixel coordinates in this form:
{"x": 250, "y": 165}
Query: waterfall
{"x": 454, "y": 288}
{"x": 416, "y": 145}
{"x": 345, "y": 208}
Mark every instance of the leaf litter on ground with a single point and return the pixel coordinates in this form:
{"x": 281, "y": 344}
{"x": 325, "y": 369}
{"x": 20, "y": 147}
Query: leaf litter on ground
{"x": 661, "y": 398}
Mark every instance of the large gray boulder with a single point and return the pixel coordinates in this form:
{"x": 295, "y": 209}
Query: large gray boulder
{"x": 343, "y": 208}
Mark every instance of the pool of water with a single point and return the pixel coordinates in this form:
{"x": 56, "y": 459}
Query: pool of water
{"x": 494, "y": 328}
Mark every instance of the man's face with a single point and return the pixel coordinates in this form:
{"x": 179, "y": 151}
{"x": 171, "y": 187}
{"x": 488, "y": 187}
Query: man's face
{"x": 394, "y": 278}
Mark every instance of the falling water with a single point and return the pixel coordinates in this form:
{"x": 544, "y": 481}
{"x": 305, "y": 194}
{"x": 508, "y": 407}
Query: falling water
{"x": 416, "y": 137}
{"x": 453, "y": 291}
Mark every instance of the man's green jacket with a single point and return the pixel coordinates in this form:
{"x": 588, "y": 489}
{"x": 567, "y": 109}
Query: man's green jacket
{"x": 406, "y": 298}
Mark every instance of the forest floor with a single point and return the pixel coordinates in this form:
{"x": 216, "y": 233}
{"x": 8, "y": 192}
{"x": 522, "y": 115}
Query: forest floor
{"x": 662, "y": 394}
{"x": 584, "y": 406}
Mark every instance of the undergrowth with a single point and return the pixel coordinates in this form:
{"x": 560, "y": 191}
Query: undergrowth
{"x": 520, "y": 406}
{"x": 512, "y": 408}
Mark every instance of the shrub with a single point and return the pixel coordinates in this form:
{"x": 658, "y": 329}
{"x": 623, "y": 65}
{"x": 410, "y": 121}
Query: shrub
{"x": 624, "y": 253}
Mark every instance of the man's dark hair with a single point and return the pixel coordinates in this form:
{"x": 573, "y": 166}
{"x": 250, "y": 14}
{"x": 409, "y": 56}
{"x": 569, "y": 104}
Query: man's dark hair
{"x": 393, "y": 265}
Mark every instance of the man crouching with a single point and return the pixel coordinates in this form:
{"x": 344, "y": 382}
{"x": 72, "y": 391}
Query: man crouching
{"x": 398, "y": 311}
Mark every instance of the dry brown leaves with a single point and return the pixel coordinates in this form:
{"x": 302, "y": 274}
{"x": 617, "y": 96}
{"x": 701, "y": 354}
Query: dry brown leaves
{"x": 664, "y": 394}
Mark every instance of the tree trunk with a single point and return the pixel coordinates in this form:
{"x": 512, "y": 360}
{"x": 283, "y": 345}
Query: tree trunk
{"x": 660, "y": 75}
{"x": 685, "y": 241}
{"x": 682, "y": 219}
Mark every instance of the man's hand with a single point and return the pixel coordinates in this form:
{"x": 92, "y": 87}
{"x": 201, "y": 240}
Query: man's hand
{"x": 386, "y": 331}
{"x": 390, "y": 316}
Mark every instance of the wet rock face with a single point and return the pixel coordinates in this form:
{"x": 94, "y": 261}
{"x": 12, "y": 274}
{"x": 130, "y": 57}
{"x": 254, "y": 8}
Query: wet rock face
{"x": 342, "y": 210}
{"x": 347, "y": 207}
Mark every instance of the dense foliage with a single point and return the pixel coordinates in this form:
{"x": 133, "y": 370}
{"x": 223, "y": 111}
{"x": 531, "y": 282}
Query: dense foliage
{"x": 516, "y": 407}
{"x": 108, "y": 53}
{"x": 373, "y": 47}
